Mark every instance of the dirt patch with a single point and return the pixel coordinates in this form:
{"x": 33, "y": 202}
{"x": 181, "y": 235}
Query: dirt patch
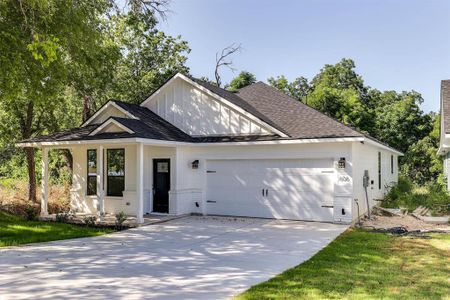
{"x": 409, "y": 222}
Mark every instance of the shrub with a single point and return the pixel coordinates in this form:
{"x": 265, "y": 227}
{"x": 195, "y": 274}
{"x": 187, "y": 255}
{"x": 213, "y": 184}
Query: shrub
{"x": 31, "y": 212}
{"x": 63, "y": 217}
{"x": 90, "y": 221}
{"x": 120, "y": 219}
{"x": 410, "y": 196}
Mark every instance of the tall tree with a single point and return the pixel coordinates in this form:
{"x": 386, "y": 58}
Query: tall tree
{"x": 224, "y": 60}
{"x": 149, "y": 56}
{"x": 337, "y": 90}
{"x": 297, "y": 89}
{"x": 398, "y": 119}
{"x": 422, "y": 163}
{"x": 242, "y": 80}
{"x": 38, "y": 39}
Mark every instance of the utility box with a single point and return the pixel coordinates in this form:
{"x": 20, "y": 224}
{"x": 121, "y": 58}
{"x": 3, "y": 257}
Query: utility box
{"x": 342, "y": 209}
{"x": 366, "y": 178}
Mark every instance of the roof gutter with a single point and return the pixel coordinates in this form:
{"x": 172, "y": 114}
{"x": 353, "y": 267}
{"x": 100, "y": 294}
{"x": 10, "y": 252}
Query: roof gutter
{"x": 175, "y": 143}
{"x": 154, "y": 142}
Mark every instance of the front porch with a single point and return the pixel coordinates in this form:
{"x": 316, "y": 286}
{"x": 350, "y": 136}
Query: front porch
{"x": 137, "y": 178}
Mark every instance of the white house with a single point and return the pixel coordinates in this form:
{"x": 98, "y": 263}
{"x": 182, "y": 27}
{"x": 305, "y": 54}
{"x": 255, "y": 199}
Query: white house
{"x": 192, "y": 147}
{"x": 444, "y": 145}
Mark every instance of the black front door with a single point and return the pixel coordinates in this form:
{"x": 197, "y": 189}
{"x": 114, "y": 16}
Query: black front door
{"x": 161, "y": 185}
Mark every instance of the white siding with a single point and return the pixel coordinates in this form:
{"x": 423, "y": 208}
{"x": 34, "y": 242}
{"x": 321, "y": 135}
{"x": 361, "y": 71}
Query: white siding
{"x": 88, "y": 204}
{"x": 198, "y": 114}
{"x": 110, "y": 111}
{"x": 447, "y": 169}
{"x": 365, "y": 157}
{"x": 196, "y": 179}
{"x": 189, "y": 186}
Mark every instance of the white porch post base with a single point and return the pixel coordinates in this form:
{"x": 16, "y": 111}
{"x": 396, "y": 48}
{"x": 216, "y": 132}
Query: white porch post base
{"x": 140, "y": 183}
{"x": 44, "y": 183}
{"x": 100, "y": 176}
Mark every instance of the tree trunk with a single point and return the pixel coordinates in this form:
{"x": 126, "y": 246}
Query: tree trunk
{"x": 69, "y": 162}
{"x": 31, "y": 165}
{"x": 27, "y": 130}
{"x": 89, "y": 107}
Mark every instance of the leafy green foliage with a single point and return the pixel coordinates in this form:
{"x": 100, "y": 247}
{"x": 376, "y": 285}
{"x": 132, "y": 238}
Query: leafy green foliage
{"x": 394, "y": 118}
{"x": 410, "y": 196}
{"x": 298, "y": 89}
{"x": 242, "y": 80}
{"x": 61, "y": 60}
{"x": 149, "y": 56}
{"x": 120, "y": 219}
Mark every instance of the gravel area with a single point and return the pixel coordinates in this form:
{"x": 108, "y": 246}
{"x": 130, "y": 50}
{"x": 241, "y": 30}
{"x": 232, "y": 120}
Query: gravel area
{"x": 409, "y": 222}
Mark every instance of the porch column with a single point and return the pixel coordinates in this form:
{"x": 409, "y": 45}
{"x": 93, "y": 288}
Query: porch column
{"x": 140, "y": 182}
{"x": 44, "y": 182}
{"x": 100, "y": 181}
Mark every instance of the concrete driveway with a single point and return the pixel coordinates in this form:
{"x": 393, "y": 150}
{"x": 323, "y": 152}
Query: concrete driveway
{"x": 187, "y": 258}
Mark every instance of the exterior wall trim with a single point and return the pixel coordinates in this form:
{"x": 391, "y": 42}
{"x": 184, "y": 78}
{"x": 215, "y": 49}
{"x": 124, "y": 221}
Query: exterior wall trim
{"x": 108, "y": 122}
{"x": 108, "y": 104}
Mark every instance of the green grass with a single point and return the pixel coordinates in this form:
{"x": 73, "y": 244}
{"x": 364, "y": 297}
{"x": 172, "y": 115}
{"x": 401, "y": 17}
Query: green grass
{"x": 16, "y": 231}
{"x": 367, "y": 265}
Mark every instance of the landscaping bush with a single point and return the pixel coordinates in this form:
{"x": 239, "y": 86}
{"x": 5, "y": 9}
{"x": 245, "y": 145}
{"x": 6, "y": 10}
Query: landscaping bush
{"x": 63, "y": 217}
{"x": 90, "y": 221}
{"x": 410, "y": 196}
{"x": 31, "y": 211}
{"x": 120, "y": 219}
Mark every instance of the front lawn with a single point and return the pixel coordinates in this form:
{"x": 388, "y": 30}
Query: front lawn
{"x": 367, "y": 265}
{"x": 15, "y": 231}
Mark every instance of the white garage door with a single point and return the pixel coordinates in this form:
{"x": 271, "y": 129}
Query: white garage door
{"x": 281, "y": 189}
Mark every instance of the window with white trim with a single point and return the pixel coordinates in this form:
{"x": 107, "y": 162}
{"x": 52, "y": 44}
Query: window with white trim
{"x": 115, "y": 172}
{"x": 91, "y": 188}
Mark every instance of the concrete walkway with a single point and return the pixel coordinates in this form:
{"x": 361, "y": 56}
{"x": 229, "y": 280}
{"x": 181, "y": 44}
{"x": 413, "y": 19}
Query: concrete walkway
{"x": 187, "y": 258}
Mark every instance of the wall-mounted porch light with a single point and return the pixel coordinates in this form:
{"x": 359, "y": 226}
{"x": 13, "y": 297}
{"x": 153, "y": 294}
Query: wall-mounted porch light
{"x": 341, "y": 163}
{"x": 195, "y": 164}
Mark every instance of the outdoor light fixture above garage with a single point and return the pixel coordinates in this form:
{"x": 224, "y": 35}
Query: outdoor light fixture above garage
{"x": 341, "y": 163}
{"x": 195, "y": 164}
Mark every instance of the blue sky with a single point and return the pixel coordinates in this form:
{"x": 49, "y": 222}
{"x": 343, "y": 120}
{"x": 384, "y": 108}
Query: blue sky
{"x": 396, "y": 44}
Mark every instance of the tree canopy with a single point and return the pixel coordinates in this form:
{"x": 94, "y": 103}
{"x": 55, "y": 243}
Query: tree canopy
{"x": 392, "y": 117}
{"x": 242, "y": 80}
{"x": 61, "y": 60}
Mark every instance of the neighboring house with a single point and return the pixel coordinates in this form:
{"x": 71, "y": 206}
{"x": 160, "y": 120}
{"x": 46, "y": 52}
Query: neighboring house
{"x": 444, "y": 144}
{"x": 192, "y": 147}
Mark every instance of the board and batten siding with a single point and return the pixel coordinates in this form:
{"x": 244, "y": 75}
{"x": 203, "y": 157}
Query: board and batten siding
{"x": 447, "y": 169}
{"x": 197, "y": 113}
{"x": 110, "y": 111}
{"x": 365, "y": 157}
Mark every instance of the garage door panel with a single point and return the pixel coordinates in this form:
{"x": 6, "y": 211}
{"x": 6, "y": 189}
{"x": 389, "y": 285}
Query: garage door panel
{"x": 296, "y": 189}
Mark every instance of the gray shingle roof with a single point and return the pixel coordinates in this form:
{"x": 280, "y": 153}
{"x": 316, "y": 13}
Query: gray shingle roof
{"x": 284, "y": 113}
{"x": 296, "y": 119}
{"x": 445, "y": 104}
